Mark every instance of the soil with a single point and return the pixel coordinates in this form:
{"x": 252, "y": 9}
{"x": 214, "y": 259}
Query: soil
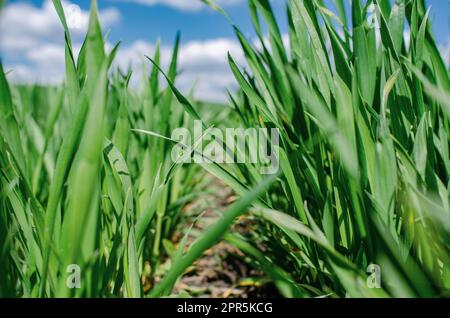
{"x": 222, "y": 271}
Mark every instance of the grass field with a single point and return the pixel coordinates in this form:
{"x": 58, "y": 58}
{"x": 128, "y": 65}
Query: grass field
{"x": 358, "y": 208}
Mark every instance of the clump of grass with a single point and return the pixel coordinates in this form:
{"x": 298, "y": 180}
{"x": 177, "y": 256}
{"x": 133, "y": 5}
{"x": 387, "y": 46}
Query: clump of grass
{"x": 364, "y": 154}
{"x": 78, "y": 186}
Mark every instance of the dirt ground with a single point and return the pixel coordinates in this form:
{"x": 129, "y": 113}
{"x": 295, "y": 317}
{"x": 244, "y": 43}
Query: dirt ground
{"x": 222, "y": 272}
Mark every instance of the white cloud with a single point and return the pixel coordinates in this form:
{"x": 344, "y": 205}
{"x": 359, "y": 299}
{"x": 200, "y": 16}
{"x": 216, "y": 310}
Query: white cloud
{"x": 23, "y": 26}
{"x": 206, "y": 65}
{"x": 31, "y": 39}
{"x": 134, "y": 55}
{"x": 188, "y": 5}
{"x": 47, "y": 54}
{"x": 201, "y": 64}
{"x": 19, "y": 73}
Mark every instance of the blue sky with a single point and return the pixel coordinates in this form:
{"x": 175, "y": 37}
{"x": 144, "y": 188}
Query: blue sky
{"x": 31, "y": 41}
{"x": 163, "y": 21}
{"x": 139, "y": 21}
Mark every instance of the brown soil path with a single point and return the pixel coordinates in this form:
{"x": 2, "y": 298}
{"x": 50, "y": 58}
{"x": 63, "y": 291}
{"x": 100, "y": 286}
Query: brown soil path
{"x": 222, "y": 271}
